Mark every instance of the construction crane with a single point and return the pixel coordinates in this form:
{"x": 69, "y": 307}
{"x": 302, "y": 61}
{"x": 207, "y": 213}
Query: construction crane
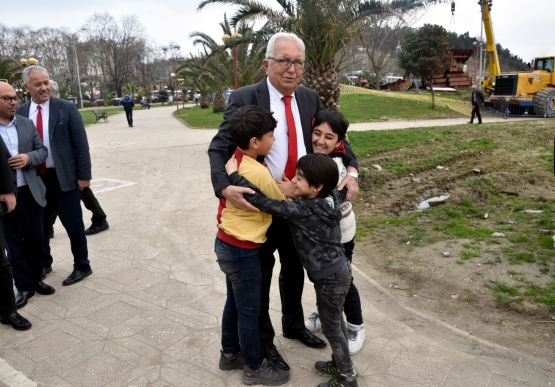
{"x": 532, "y": 89}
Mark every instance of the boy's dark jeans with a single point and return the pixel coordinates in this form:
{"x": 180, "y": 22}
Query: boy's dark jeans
{"x": 330, "y": 297}
{"x": 243, "y": 276}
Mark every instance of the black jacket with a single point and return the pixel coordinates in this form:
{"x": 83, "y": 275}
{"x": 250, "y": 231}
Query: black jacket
{"x": 314, "y": 225}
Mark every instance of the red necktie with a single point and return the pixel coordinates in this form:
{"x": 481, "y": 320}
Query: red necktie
{"x": 292, "y": 157}
{"x": 42, "y": 167}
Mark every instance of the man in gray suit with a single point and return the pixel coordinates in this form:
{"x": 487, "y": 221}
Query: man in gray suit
{"x": 21, "y": 141}
{"x": 68, "y": 166}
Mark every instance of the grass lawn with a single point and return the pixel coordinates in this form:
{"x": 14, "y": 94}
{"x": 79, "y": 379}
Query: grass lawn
{"x": 355, "y": 107}
{"x": 372, "y": 108}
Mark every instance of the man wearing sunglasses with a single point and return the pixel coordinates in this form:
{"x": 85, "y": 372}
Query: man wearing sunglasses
{"x": 294, "y": 108}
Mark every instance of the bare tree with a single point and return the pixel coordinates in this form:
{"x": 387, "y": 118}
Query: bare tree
{"x": 116, "y": 47}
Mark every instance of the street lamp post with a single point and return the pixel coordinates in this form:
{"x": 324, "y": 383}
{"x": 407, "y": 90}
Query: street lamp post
{"x": 478, "y": 46}
{"x": 226, "y": 38}
{"x": 77, "y": 67}
{"x": 174, "y": 77}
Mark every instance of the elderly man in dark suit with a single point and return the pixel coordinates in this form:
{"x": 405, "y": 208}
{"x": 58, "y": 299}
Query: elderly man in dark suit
{"x": 8, "y": 311}
{"x": 24, "y": 225}
{"x": 294, "y": 108}
{"x": 68, "y": 166}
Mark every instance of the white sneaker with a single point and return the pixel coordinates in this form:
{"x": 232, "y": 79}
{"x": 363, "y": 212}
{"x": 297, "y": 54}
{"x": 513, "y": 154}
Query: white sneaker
{"x": 357, "y": 336}
{"x": 313, "y": 322}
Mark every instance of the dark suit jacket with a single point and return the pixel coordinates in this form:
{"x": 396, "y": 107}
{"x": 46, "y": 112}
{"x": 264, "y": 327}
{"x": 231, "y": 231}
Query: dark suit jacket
{"x": 222, "y": 145}
{"x": 68, "y": 142}
{"x": 6, "y": 182}
{"x": 479, "y": 98}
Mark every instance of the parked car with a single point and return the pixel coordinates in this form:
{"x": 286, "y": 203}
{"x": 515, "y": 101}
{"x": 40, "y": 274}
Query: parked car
{"x": 115, "y": 101}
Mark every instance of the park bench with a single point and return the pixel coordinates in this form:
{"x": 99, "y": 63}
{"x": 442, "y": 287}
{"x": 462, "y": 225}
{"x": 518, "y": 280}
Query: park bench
{"x": 100, "y": 115}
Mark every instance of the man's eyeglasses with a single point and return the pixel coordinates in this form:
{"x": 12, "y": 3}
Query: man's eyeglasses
{"x": 284, "y": 62}
{"x": 9, "y": 99}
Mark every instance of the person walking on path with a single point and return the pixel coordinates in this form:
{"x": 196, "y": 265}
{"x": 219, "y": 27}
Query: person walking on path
{"x": 128, "y": 104}
{"x": 294, "y": 108}
{"x": 68, "y": 166}
{"x": 477, "y": 103}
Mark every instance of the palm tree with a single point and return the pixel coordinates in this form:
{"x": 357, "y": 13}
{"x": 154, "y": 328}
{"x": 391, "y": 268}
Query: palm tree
{"x": 10, "y": 70}
{"x": 324, "y": 25}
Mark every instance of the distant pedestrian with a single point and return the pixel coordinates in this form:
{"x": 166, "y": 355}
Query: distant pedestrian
{"x": 128, "y": 104}
{"x": 477, "y": 103}
{"x": 197, "y": 97}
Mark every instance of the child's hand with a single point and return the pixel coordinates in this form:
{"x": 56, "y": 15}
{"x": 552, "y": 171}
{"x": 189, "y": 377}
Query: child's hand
{"x": 286, "y": 187}
{"x": 231, "y": 165}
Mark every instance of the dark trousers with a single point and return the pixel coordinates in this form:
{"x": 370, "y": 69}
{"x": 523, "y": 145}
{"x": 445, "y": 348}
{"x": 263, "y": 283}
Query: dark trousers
{"x": 68, "y": 206}
{"x": 240, "y": 317}
{"x": 23, "y": 229}
{"x": 129, "y": 116}
{"x": 330, "y": 297}
{"x": 291, "y": 282}
{"x": 476, "y": 112}
{"x": 7, "y": 298}
{"x": 91, "y": 204}
{"x": 353, "y": 309}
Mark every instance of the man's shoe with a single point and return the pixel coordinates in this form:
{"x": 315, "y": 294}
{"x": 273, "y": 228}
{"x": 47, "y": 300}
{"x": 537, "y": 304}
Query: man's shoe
{"x": 17, "y": 321}
{"x": 96, "y": 228}
{"x": 76, "y": 276}
{"x": 22, "y": 297}
{"x": 313, "y": 322}
{"x": 357, "y": 336}
{"x": 274, "y": 357}
{"x": 479, "y": 122}
{"x": 326, "y": 368}
{"x": 266, "y": 374}
{"x": 231, "y": 363}
{"x": 342, "y": 381}
{"x": 44, "y": 289}
{"x": 45, "y": 271}
{"x": 470, "y": 122}
{"x": 308, "y": 339}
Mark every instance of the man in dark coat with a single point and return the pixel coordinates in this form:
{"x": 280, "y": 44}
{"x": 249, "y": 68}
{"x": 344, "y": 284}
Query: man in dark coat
{"x": 477, "y": 103}
{"x": 128, "y": 104}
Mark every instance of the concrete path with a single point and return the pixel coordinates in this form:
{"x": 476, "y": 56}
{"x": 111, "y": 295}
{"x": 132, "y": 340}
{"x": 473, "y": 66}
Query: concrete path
{"x": 150, "y": 314}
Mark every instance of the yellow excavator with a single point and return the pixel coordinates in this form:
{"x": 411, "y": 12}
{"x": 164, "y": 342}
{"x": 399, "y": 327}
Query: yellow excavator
{"x": 535, "y": 88}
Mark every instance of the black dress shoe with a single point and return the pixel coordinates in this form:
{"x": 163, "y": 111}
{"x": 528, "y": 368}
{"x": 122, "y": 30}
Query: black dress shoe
{"x": 76, "y": 276}
{"x": 22, "y": 297}
{"x": 44, "y": 289}
{"x": 17, "y": 321}
{"x": 96, "y": 228}
{"x": 307, "y": 338}
{"x": 274, "y": 358}
{"x": 45, "y": 272}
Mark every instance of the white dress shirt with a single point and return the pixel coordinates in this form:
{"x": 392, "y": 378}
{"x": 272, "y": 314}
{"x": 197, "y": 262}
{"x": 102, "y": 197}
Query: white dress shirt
{"x": 9, "y": 135}
{"x": 33, "y": 111}
{"x": 277, "y": 158}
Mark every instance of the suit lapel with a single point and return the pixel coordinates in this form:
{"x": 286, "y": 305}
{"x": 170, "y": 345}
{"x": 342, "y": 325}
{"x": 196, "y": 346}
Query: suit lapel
{"x": 306, "y": 117}
{"x": 53, "y": 116}
{"x": 263, "y": 97}
{"x": 20, "y": 136}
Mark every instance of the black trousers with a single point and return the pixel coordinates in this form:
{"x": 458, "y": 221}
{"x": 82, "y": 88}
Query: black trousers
{"x": 68, "y": 206}
{"x": 476, "y": 112}
{"x": 291, "y": 282}
{"x": 91, "y": 204}
{"x": 129, "y": 116}
{"x": 7, "y": 297}
{"x": 24, "y": 238}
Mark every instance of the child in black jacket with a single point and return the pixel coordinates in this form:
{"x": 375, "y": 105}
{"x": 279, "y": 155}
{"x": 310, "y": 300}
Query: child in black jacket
{"x": 314, "y": 222}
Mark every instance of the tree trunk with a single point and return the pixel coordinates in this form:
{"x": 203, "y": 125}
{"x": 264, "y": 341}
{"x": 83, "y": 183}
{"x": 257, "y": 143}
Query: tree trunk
{"x": 219, "y": 104}
{"x": 323, "y": 79}
{"x": 205, "y": 101}
{"x": 378, "y": 75}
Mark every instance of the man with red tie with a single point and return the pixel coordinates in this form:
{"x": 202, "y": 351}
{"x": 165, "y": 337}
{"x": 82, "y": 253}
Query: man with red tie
{"x": 294, "y": 108}
{"x": 67, "y": 168}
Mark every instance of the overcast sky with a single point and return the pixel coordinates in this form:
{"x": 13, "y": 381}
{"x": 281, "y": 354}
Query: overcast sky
{"x": 523, "y": 27}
